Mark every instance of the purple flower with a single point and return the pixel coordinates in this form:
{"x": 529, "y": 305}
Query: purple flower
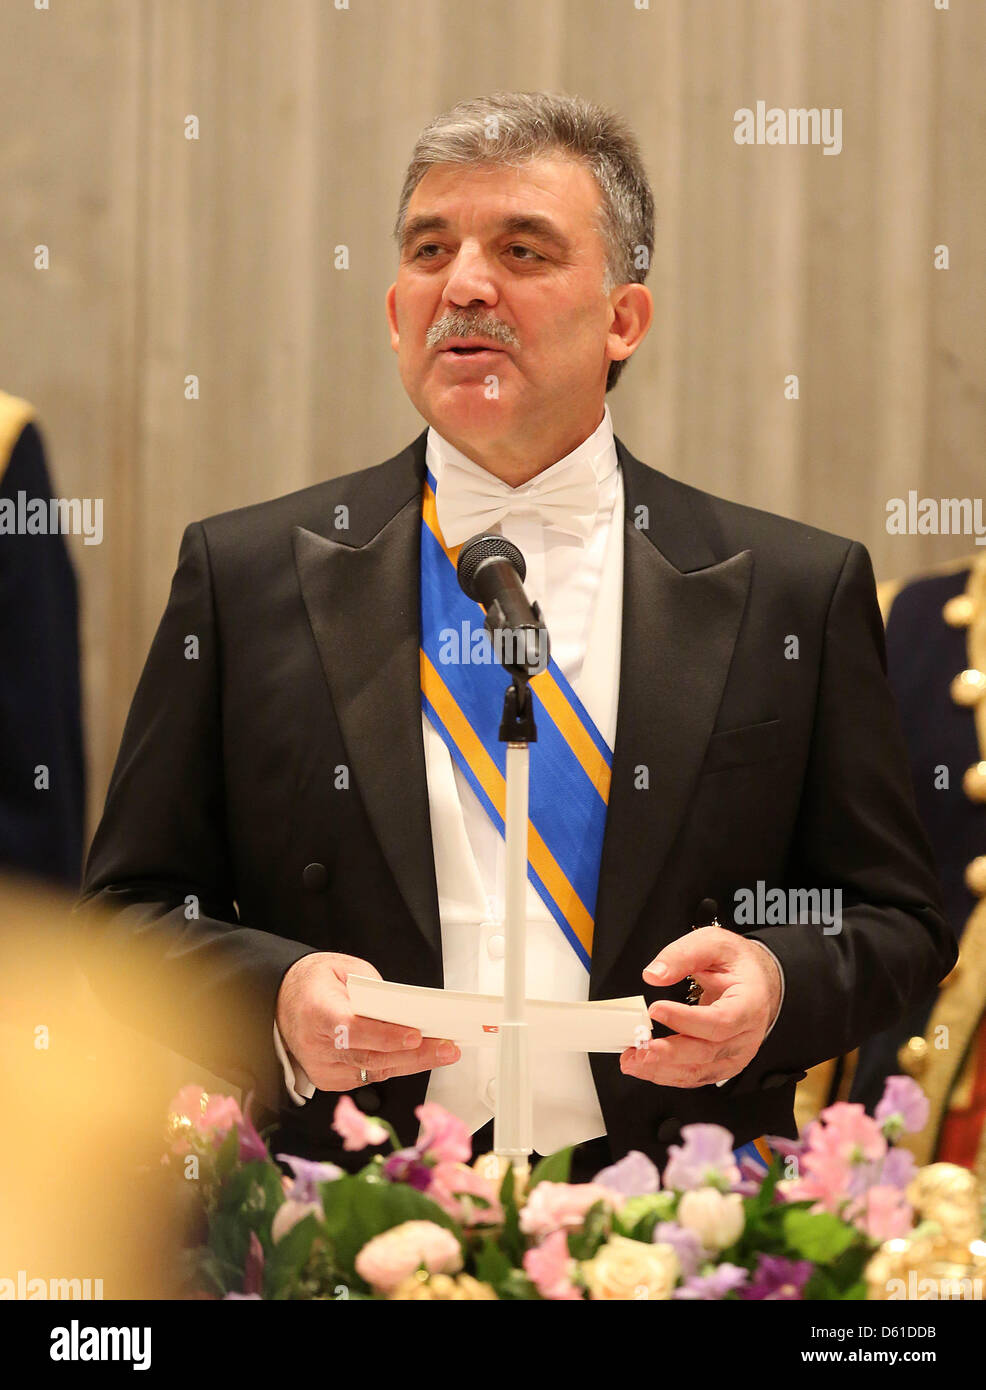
{"x": 789, "y": 1148}
{"x": 306, "y": 1174}
{"x": 704, "y": 1160}
{"x": 903, "y": 1107}
{"x": 862, "y": 1177}
{"x": 686, "y": 1245}
{"x": 899, "y": 1168}
{"x": 714, "y": 1285}
{"x": 895, "y": 1170}
{"x": 634, "y": 1176}
{"x": 778, "y": 1279}
{"x": 252, "y": 1147}
{"x": 406, "y": 1166}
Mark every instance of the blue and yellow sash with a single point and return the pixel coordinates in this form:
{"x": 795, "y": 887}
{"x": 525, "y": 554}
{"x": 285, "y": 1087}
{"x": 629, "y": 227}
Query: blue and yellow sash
{"x": 462, "y": 690}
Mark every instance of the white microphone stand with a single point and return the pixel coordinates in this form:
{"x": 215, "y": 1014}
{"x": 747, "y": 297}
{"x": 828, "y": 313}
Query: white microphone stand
{"x": 512, "y": 1123}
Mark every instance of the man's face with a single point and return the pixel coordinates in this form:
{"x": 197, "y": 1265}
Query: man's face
{"x": 514, "y": 257}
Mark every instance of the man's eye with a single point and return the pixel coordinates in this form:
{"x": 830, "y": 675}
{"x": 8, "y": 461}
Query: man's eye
{"x": 533, "y": 255}
{"x": 428, "y": 246}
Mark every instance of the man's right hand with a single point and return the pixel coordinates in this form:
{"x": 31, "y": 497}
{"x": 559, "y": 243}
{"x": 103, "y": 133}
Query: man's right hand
{"x": 331, "y": 1042}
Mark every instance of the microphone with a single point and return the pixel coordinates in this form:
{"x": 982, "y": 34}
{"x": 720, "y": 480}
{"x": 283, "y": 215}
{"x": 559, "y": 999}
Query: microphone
{"x": 491, "y": 571}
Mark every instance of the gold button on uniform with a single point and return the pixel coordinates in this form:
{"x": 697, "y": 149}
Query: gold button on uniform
{"x": 913, "y": 1056}
{"x": 974, "y": 782}
{"x": 975, "y": 876}
{"x": 968, "y": 687}
{"x": 959, "y": 611}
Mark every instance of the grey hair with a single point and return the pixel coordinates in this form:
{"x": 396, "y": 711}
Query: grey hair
{"x": 513, "y": 127}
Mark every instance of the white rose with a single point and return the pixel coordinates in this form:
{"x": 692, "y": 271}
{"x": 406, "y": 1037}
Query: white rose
{"x": 625, "y": 1269}
{"x": 717, "y": 1218}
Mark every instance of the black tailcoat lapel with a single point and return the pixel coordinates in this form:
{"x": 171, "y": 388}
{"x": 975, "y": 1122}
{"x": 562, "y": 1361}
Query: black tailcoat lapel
{"x": 681, "y": 615}
{"x": 362, "y": 597}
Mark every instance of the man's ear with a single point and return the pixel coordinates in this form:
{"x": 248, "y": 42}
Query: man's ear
{"x": 633, "y": 314}
{"x": 390, "y": 303}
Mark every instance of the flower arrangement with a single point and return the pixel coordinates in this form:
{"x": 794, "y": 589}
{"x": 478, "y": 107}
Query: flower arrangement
{"x": 429, "y": 1222}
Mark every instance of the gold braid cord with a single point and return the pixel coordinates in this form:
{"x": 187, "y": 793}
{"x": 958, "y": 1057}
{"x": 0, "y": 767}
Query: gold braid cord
{"x": 958, "y": 1008}
{"x": 14, "y": 415}
{"x": 961, "y": 1002}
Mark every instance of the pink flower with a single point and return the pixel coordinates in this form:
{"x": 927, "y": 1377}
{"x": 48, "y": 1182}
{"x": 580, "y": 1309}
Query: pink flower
{"x": 838, "y": 1147}
{"x": 549, "y": 1268}
{"x": 357, "y": 1130}
{"x": 825, "y": 1181}
{"x": 389, "y": 1258}
{"x": 190, "y": 1101}
{"x": 847, "y": 1131}
{"x": 220, "y": 1115}
{"x": 252, "y": 1147}
{"x": 883, "y": 1213}
{"x": 557, "y": 1206}
{"x": 454, "y": 1185}
{"x": 444, "y": 1137}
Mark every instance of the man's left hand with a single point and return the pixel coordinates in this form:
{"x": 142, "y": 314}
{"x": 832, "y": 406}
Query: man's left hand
{"x": 716, "y": 1038}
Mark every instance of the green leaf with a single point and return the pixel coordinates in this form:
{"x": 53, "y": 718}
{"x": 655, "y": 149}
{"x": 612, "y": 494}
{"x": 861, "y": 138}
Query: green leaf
{"x": 288, "y": 1257}
{"x": 206, "y": 1273}
{"x": 229, "y": 1152}
{"x": 229, "y": 1240}
{"x": 847, "y": 1270}
{"x": 639, "y": 1215}
{"x": 819, "y": 1236}
{"x": 517, "y": 1286}
{"x": 251, "y": 1197}
{"x": 856, "y": 1293}
{"x": 763, "y": 1200}
{"x": 555, "y": 1167}
{"x": 583, "y": 1244}
{"x": 492, "y": 1265}
{"x": 511, "y": 1237}
{"x": 356, "y": 1211}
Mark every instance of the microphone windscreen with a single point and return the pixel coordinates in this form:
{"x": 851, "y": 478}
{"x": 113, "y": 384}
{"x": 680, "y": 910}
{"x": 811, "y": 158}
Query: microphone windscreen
{"x": 477, "y": 550}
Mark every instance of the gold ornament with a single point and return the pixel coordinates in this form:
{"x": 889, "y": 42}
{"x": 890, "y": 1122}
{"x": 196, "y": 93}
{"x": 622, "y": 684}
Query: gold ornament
{"x": 968, "y": 687}
{"x": 178, "y": 1126}
{"x": 913, "y": 1056}
{"x": 975, "y": 876}
{"x": 959, "y": 611}
{"x": 944, "y": 1258}
{"x": 949, "y": 1196}
{"x": 927, "y": 1267}
{"x": 444, "y": 1288}
{"x": 974, "y": 782}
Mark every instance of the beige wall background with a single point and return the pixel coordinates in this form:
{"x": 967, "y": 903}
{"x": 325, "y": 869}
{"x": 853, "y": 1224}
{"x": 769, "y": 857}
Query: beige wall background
{"x": 215, "y": 256}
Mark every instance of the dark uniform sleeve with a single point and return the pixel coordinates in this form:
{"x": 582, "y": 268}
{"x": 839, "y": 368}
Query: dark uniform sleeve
{"x": 41, "y": 826}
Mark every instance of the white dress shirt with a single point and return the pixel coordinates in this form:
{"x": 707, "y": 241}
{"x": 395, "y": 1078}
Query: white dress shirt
{"x": 578, "y": 583}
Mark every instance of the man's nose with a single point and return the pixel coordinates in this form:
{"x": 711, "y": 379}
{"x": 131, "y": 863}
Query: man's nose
{"x": 470, "y": 279}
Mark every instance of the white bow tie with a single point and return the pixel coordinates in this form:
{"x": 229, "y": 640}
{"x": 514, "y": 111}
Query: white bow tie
{"x": 468, "y": 502}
